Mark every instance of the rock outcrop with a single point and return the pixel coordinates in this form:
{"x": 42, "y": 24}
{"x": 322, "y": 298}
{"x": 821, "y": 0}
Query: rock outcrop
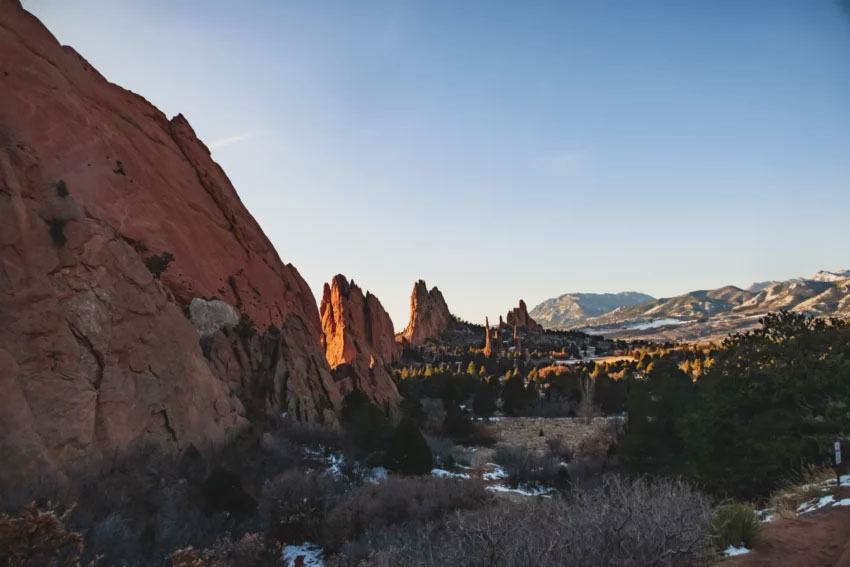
{"x": 519, "y": 317}
{"x": 429, "y": 315}
{"x": 489, "y": 345}
{"x": 112, "y": 220}
{"x": 359, "y": 342}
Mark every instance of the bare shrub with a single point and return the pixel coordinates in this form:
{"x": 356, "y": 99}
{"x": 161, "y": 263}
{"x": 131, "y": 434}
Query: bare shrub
{"x": 249, "y": 551}
{"x": 560, "y": 448}
{"x": 293, "y": 505}
{"x": 398, "y": 500}
{"x": 625, "y": 523}
{"x": 442, "y": 448}
{"x": 310, "y": 434}
{"x": 39, "y": 536}
{"x": 526, "y": 465}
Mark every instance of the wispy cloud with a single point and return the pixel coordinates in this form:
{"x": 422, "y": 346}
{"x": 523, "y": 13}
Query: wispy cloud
{"x": 563, "y": 163}
{"x": 227, "y": 140}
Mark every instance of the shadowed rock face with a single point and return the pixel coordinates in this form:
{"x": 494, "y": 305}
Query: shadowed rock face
{"x": 429, "y": 315}
{"x": 112, "y": 220}
{"x": 519, "y": 317}
{"x": 358, "y": 332}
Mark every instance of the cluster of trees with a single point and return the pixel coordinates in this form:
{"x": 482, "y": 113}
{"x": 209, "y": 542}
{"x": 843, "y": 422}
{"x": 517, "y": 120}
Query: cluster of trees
{"x": 771, "y": 402}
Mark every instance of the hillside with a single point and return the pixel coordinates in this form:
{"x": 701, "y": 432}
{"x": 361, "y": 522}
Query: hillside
{"x": 704, "y": 314}
{"x": 571, "y": 308}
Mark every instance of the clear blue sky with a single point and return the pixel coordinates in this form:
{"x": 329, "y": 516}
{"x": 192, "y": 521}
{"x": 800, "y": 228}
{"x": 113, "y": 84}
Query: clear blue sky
{"x": 507, "y": 150}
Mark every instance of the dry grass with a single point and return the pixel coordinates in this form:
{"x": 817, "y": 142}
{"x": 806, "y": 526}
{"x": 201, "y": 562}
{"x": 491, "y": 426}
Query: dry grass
{"x": 798, "y": 489}
{"x": 572, "y": 431}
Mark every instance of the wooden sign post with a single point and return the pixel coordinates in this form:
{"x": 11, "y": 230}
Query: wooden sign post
{"x": 837, "y": 465}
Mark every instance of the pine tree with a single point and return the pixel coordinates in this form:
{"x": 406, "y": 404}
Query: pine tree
{"x": 408, "y": 451}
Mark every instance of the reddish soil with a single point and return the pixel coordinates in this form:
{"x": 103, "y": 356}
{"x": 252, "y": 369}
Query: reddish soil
{"x": 819, "y": 539}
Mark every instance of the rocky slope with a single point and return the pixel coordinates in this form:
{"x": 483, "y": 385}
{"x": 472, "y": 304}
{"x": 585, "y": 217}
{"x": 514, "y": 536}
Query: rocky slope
{"x": 571, "y": 308}
{"x": 359, "y": 342}
{"x": 519, "y": 317}
{"x": 429, "y": 315}
{"x": 113, "y": 219}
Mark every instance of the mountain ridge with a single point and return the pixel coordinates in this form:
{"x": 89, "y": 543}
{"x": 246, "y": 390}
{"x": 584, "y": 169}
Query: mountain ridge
{"x": 708, "y": 313}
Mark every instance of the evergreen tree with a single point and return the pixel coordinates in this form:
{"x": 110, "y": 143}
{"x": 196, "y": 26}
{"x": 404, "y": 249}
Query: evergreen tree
{"x": 408, "y": 451}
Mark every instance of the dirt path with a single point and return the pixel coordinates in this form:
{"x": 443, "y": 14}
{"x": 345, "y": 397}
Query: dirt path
{"x": 818, "y": 539}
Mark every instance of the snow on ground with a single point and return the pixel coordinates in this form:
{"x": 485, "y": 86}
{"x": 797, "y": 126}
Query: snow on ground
{"x": 376, "y": 475}
{"x": 442, "y": 473}
{"x": 311, "y": 554}
{"x": 497, "y": 472}
{"x": 732, "y": 551}
{"x": 813, "y": 505}
{"x": 655, "y": 324}
{"x": 524, "y": 489}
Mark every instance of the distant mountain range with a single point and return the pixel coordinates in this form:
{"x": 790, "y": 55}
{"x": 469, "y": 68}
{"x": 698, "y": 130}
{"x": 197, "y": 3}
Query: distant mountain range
{"x": 697, "y": 315}
{"x": 570, "y": 309}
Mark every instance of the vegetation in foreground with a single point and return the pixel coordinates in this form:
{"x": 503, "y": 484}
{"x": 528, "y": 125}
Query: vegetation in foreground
{"x": 752, "y": 417}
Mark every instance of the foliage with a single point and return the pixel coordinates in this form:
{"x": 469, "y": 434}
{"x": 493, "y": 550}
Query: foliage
{"x": 774, "y": 401}
{"x": 249, "y": 551}
{"x": 663, "y": 523}
{"x": 408, "y": 451}
{"x": 367, "y": 428}
{"x": 56, "y": 228}
{"x": 39, "y": 536}
{"x": 736, "y": 524}
{"x": 158, "y": 263}
{"x": 524, "y": 465}
{"x": 245, "y": 328}
{"x": 654, "y": 441}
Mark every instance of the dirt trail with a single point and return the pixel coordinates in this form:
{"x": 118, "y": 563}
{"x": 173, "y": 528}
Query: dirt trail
{"x": 818, "y": 539}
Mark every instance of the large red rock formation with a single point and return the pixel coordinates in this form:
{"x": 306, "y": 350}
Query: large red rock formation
{"x": 98, "y": 191}
{"x": 429, "y": 315}
{"x": 358, "y": 332}
{"x": 519, "y": 317}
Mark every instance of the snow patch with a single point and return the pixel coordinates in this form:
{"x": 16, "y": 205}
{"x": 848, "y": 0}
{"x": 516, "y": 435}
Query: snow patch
{"x": 498, "y": 473}
{"x": 655, "y": 324}
{"x": 732, "y": 551}
{"x": 525, "y": 490}
{"x": 442, "y": 473}
{"x": 815, "y": 504}
{"x": 311, "y": 555}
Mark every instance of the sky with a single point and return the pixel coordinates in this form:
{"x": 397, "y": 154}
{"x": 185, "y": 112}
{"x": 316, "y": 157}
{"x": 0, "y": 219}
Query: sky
{"x": 507, "y": 150}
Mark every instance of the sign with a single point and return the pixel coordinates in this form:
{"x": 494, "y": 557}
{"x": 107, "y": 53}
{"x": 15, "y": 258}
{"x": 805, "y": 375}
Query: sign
{"x": 838, "y": 452}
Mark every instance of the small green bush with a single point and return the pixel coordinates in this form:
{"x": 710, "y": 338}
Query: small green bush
{"x": 57, "y": 231}
{"x": 158, "y": 263}
{"x": 245, "y": 328}
{"x": 62, "y": 189}
{"x": 735, "y": 523}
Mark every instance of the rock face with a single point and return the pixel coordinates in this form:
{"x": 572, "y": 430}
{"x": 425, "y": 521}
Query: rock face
{"x": 359, "y": 343}
{"x": 491, "y": 339}
{"x": 429, "y": 315}
{"x": 112, "y": 220}
{"x": 519, "y": 317}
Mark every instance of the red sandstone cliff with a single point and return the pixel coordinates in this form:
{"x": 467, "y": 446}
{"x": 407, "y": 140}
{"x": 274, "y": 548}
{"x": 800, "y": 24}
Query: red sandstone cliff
{"x": 358, "y": 332}
{"x": 98, "y": 189}
{"x": 519, "y": 317}
{"x": 429, "y": 315}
